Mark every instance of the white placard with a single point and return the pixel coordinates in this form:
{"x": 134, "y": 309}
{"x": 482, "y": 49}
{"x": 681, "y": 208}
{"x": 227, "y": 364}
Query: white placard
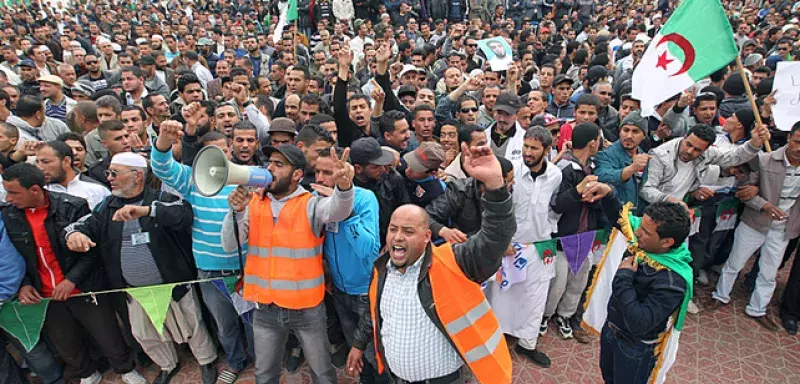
{"x": 786, "y": 110}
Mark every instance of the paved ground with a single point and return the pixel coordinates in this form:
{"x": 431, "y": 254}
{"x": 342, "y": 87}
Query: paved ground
{"x": 716, "y": 347}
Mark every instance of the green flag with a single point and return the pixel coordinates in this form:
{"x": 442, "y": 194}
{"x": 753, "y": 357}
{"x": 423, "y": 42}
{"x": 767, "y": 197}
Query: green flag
{"x": 230, "y": 283}
{"x": 155, "y": 301}
{"x": 291, "y": 13}
{"x": 546, "y": 250}
{"x": 24, "y": 322}
{"x": 727, "y": 211}
{"x": 696, "y": 41}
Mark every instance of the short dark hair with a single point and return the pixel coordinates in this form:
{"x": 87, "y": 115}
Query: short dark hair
{"x": 135, "y": 70}
{"x": 212, "y": 136}
{"x": 357, "y": 96}
{"x": 588, "y": 99}
{"x": 583, "y": 134}
{"x": 72, "y": 136}
{"x": 672, "y": 219}
{"x": 303, "y": 69}
{"x": 137, "y": 108}
{"x": 795, "y": 128}
{"x": 465, "y": 133}
{"x": 61, "y": 150}
{"x": 320, "y": 118}
{"x": 26, "y": 174}
{"x": 108, "y": 126}
{"x": 189, "y": 78}
{"x": 388, "y": 120}
{"x": 421, "y": 108}
{"x": 28, "y": 105}
{"x": 466, "y": 97}
{"x": 237, "y": 71}
{"x": 310, "y": 134}
{"x": 703, "y": 132}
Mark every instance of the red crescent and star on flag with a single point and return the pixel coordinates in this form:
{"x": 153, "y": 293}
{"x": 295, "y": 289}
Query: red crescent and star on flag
{"x": 684, "y": 45}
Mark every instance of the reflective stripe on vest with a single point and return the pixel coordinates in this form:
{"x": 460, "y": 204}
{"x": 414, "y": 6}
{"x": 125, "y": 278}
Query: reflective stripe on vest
{"x": 467, "y": 317}
{"x": 289, "y": 253}
{"x": 284, "y": 256}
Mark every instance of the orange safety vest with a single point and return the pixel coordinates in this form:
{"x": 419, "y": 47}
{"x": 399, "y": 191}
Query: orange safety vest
{"x": 284, "y": 258}
{"x": 468, "y": 319}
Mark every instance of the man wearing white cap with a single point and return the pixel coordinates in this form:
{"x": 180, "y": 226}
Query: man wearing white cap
{"x": 56, "y": 104}
{"x": 144, "y": 238}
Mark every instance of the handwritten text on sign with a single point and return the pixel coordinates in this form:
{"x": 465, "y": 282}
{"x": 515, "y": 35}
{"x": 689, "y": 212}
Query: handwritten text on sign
{"x": 786, "y": 110}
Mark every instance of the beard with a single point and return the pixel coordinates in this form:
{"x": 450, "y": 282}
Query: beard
{"x": 58, "y": 177}
{"x": 536, "y": 161}
{"x": 280, "y": 186}
{"x": 124, "y": 191}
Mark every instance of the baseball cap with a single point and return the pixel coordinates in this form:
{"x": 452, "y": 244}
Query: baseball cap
{"x": 546, "y": 119}
{"x": 563, "y": 78}
{"x": 428, "y": 156}
{"x": 293, "y": 154}
{"x": 367, "y": 150}
{"x": 283, "y": 124}
{"x": 406, "y": 90}
{"x": 410, "y": 68}
{"x": 508, "y": 102}
{"x": 52, "y": 79}
{"x": 205, "y": 41}
{"x": 26, "y": 63}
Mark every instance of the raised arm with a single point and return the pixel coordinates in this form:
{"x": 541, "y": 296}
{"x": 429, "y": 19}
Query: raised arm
{"x": 175, "y": 175}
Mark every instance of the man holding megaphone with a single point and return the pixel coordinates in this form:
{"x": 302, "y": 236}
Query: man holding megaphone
{"x": 210, "y": 258}
{"x": 283, "y": 228}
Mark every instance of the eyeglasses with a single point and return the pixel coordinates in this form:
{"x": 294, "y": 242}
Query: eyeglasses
{"x": 472, "y": 45}
{"x": 115, "y": 174}
{"x": 468, "y": 110}
{"x": 91, "y": 62}
{"x": 783, "y": 49}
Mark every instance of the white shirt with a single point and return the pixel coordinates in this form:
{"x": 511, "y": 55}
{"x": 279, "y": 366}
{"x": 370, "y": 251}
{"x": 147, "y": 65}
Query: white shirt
{"x": 791, "y": 186}
{"x": 129, "y": 100}
{"x": 93, "y": 193}
{"x": 683, "y": 180}
{"x": 415, "y": 349}
{"x": 535, "y": 220}
{"x": 202, "y": 73}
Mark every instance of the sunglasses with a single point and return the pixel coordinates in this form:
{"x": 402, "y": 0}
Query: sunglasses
{"x": 114, "y": 174}
{"x": 91, "y": 62}
{"x": 472, "y": 45}
{"x": 467, "y": 110}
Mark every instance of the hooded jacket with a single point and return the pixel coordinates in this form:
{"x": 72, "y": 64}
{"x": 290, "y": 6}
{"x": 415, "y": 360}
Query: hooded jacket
{"x": 48, "y": 131}
{"x": 351, "y": 246}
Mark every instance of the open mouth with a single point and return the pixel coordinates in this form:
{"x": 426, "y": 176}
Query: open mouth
{"x": 398, "y": 252}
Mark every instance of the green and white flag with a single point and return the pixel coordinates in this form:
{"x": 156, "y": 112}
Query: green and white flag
{"x": 696, "y": 41}
{"x": 727, "y": 212}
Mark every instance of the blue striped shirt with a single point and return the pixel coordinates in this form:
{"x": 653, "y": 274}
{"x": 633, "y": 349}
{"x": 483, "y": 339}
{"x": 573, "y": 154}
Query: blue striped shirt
{"x": 56, "y": 111}
{"x": 209, "y": 212}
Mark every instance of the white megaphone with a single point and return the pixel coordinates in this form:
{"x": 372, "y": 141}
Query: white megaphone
{"x": 211, "y": 171}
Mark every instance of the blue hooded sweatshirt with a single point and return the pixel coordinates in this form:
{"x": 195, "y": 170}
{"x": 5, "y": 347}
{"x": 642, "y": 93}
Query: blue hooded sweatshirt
{"x": 351, "y": 246}
{"x": 12, "y": 266}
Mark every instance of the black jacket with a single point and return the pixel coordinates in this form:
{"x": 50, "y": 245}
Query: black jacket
{"x": 98, "y": 171}
{"x": 391, "y": 193}
{"x": 79, "y": 268}
{"x": 459, "y": 207}
{"x": 567, "y": 201}
{"x": 479, "y": 258}
{"x": 170, "y": 236}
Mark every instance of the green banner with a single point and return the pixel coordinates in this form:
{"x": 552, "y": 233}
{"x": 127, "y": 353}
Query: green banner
{"x": 24, "y": 322}
{"x": 155, "y": 301}
{"x": 546, "y": 249}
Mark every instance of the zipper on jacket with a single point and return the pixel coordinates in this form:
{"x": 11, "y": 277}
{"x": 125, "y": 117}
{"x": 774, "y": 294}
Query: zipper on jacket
{"x": 49, "y": 270}
{"x": 336, "y": 261}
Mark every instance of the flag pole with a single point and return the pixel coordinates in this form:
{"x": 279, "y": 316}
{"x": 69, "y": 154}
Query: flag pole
{"x": 750, "y": 96}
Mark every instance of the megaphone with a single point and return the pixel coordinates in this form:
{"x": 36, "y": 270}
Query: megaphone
{"x": 211, "y": 171}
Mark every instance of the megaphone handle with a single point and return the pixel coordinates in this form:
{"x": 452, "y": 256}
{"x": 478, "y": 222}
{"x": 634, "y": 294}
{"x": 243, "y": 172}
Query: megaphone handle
{"x": 238, "y": 242}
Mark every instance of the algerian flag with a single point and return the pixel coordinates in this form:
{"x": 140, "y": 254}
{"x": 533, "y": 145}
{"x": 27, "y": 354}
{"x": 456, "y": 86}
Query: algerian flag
{"x": 695, "y": 215}
{"x": 696, "y": 41}
{"x": 727, "y": 211}
{"x": 596, "y": 304}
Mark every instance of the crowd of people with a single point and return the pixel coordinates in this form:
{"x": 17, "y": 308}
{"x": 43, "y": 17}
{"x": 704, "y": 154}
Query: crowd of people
{"x": 404, "y": 170}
